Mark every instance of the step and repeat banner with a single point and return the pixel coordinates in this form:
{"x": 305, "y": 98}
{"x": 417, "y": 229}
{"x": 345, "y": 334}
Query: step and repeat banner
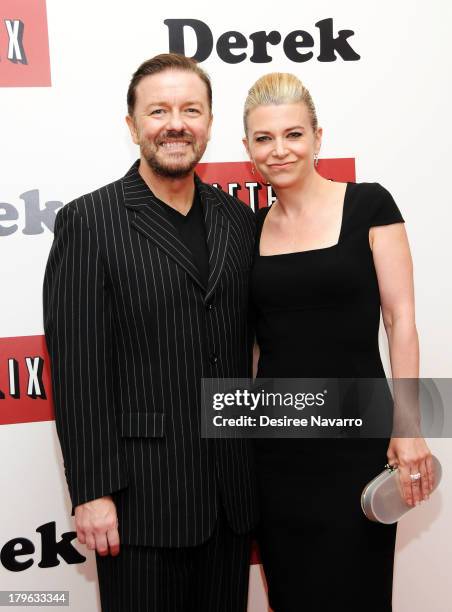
{"x": 380, "y": 77}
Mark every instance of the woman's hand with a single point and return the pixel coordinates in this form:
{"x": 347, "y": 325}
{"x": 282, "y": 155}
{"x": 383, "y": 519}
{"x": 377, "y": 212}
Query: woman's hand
{"x": 412, "y": 456}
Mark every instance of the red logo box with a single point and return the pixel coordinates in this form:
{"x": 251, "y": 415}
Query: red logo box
{"x": 25, "y": 388}
{"x": 24, "y": 44}
{"x": 238, "y": 179}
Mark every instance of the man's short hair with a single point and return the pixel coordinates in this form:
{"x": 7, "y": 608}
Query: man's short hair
{"x": 160, "y": 63}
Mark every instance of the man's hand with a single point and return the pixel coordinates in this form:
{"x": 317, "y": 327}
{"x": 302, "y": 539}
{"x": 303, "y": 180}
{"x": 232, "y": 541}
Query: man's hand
{"x": 97, "y": 525}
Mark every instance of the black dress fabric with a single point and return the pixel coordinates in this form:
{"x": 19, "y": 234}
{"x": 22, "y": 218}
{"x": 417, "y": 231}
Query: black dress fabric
{"x": 192, "y": 232}
{"x": 317, "y": 315}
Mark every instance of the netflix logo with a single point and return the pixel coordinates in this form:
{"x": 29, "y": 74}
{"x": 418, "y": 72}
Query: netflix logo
{"x": 24, "y": 44}
{"x": 25, "y": 394}
{"x": 237, "y": 179}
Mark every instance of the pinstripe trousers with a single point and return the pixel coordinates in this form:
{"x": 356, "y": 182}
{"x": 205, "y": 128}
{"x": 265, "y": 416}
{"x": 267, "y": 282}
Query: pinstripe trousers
{"x": 211, "y": 577}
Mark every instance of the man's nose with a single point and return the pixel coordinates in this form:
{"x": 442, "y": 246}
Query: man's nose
{"x": 175, "y": 121}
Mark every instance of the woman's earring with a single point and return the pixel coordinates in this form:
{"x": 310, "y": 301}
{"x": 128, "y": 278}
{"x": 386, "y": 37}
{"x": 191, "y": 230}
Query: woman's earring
{"x": 316, "y": 159}
{"x": 258, "y": 176}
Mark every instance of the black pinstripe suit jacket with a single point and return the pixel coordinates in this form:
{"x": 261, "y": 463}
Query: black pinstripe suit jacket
{"x": 131, "y": 331}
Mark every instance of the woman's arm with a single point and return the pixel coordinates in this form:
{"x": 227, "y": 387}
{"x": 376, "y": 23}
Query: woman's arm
{"x": 393, "y": 264}
{"x": 394, "y": 267}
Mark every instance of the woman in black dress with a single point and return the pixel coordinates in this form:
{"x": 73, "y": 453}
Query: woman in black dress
{"x": 328, "y": 256}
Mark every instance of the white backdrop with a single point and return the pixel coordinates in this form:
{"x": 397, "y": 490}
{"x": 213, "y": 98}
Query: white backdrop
{"x": 390, "y": 110}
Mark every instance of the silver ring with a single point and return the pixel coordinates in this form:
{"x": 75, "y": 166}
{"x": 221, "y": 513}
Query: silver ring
{"x": 415, "y": 476}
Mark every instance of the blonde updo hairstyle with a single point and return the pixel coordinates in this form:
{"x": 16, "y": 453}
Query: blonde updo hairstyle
{"x": 278, "y": 88}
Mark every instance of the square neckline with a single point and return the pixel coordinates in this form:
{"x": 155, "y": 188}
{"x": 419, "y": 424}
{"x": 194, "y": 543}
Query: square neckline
{"x": 333, "y": 246}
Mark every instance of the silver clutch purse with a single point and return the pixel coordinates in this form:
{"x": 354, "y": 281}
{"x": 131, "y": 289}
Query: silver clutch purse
{"x": 382, "y": 500}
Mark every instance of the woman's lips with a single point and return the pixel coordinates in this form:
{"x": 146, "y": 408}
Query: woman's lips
{"x": 278, "y": 166}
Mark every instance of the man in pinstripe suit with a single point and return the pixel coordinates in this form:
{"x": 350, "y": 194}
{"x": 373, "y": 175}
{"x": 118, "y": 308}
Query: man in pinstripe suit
{"x": 145, "y": 293}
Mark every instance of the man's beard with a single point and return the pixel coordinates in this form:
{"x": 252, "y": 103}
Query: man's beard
{"x": 180, "y": 166}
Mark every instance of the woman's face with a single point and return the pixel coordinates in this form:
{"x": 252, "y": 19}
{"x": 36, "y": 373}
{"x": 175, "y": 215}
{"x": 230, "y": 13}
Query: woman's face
{"x": 282, "y": 143}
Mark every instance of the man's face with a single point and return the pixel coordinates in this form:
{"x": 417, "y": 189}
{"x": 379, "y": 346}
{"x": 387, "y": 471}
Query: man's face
{"x": 171, "y": 121}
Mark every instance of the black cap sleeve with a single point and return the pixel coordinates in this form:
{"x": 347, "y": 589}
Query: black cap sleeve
{"x": 385, "y": 210}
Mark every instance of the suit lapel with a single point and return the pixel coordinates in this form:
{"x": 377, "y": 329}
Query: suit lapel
{"x": 217, "y": 233}
{"x": 148, "y": 218}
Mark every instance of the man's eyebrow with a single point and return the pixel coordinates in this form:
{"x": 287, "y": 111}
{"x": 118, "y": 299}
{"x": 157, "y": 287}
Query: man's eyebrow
{"x": 165, "y": 103}
{"x": 156, "y": 104}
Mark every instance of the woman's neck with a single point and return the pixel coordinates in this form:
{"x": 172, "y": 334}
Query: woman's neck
{"x": 303, "y": 195}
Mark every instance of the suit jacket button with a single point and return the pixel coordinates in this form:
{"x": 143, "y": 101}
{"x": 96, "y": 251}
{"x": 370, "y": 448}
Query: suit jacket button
{"x": 209, "y": 306}
{"x": 213, "y": 359}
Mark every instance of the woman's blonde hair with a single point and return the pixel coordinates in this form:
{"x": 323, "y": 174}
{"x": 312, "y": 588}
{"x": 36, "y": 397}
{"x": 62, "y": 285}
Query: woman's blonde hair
{"x": 278, "y": 88}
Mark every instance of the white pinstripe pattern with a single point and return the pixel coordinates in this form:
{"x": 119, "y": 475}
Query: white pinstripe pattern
{"x": 212, "y": 577}
{"x": 130, "y": 337}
